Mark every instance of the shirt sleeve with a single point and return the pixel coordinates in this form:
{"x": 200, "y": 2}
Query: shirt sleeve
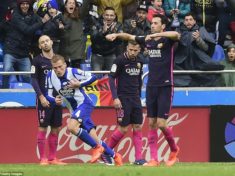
{"x": 85, "y": 78}
{"x": 35, "y": 81}
{"x": 114, "y": 73}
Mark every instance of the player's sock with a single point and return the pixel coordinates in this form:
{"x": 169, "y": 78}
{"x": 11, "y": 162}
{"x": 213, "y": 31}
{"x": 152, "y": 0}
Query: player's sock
{"x": 170, "y": 139}
{"x": 53, "y": 142}
{"x": 85, "y": 137}
{"x": 115, "y": 138}
{"x": 107, "y": 149}
{"x": 152, "y": 142}
{"x": 41, "y": 141}
{"x": 137, "y": 140}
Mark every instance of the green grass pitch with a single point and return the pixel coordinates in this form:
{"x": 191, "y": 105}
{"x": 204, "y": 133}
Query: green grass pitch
{"x": 180, "y": 169}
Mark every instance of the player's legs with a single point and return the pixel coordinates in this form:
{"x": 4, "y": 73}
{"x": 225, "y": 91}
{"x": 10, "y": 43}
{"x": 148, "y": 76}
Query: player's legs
{"x": 81, "y": 124}
{"x": 138, "y": 144}
{"x": 107, "y": 150}
{"x": 41, "y": 143}
{"x": 55, "y": 123}
{"x": 164, "y": 109}
{"x": 74, "y": 128}
{"x": 152, "y": 111}
{"x": 123, "y": 120}
{"x": 43, "y": 115}
{"x": 137, "y": 120}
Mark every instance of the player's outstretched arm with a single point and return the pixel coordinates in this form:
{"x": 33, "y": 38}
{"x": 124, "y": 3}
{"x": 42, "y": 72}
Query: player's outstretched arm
{"x": 122, "y": 36}
{"x": 169, "y": 34}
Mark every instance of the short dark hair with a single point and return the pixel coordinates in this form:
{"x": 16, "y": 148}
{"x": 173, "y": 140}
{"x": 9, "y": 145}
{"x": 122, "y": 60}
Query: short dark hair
{"x": 133, "y": 42}
{"x": 109, "y": 8}
{"x": 56, "y": 58}
{"x": 163, "y": 18}
{"x": 191, "y": 14}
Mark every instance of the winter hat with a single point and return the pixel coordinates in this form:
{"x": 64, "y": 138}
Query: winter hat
{"x": 21, "y": 1}
{"x": 52, "y": 4}
{"x": 230, "y": 46}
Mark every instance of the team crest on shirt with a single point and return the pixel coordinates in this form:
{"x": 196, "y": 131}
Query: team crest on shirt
{"x": 160, "y": 45}
{"x": 67, "y": 92}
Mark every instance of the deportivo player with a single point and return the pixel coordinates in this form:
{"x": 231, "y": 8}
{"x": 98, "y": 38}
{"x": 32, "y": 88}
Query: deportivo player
{"x": 48, "y": 114}
{"x": 69, "y": 83}
{"x": 159, "y": 90}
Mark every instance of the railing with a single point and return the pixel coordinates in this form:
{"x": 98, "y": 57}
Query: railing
{"x": 107, "y": 72}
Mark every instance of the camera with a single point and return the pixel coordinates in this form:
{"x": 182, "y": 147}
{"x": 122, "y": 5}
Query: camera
{"x": 137, "y": 20}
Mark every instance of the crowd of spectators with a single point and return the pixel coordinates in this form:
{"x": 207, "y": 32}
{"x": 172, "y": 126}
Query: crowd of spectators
{"x": 207, "y": 29}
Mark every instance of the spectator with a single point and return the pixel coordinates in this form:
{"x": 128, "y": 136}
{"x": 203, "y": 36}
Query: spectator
{"x": 74, "y": 40}
{"x": 176, "y": 9}
{"x": 206, "y": 14}
{"x": 224, "y": 18}
{"x": 23, "y": 26}
{"x": 229, "y": 64}
{"x": 104, "y": 51}
{"x": 193, "y": 53}
{"x": 40, "y": 6}
{"x": 139, "y": 25}
{"x": 56, "y": 26}
{"x": 117, "y": 5}
{"x": 156, "y": 8}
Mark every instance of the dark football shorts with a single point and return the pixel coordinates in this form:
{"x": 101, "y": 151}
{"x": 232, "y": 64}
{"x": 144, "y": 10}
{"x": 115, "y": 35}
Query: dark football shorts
{"x": 158, "y": 101}
{"x": 131, "y": 111}
{"x": 51, "y": 116}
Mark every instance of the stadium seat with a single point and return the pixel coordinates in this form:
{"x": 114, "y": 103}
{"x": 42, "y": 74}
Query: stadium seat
{"x": 20, "y": 85}
{"x": 86, "y": 67}
{"x": 1, "y": 52}
{"x": 219, "y": 54}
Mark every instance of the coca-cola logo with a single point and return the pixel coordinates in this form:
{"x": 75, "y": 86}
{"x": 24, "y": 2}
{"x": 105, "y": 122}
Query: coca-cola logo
{"x": 70, "y": 148}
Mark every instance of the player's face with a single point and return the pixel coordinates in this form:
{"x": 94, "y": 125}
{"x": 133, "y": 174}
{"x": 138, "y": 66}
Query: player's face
{"x": 59, "y": 67}
{"x": 133, "y": 50}
{"x": 157, "y": 25}
{"x": 189, "y": 22}
{"x": 70, "y": 6}
{"x": 45, "y": 43}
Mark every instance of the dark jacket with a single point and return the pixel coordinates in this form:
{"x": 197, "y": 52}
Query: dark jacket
{"x": 189, "y": 51}
{"x": 210, "y": 11}
{"x": 142, "y": 28}
{"x": 74, "y": 40}
{"x": 22, "y": 28}
{"x": 99, "y": 43}
{"x": 189, "y": 56}
{"x": 51, "y": 27}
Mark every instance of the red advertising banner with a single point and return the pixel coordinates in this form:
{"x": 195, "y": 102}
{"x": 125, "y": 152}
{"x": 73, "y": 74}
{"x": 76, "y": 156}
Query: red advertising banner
{"x": 18, "y": 130}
